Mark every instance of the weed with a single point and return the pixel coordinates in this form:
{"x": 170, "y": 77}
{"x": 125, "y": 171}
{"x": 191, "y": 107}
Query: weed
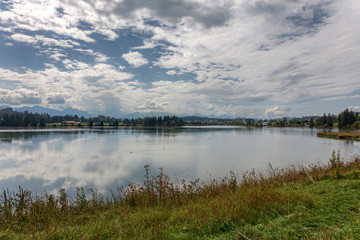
{"x": 63, "y": 200}
{"x": 335, "y": 159}
{"x": 81, "y": 202}
{"x": 355, "y": 174}
{"x": 337, "y": 171}
{"x": 335, "y": 164}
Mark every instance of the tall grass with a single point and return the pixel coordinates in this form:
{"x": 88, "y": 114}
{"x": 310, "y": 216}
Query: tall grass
{"x": 198, "y": 207}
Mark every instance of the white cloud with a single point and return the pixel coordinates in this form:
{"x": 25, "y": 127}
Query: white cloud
{"x": 210, "y": 107}
{"x": 78, "y": 85}
{"x": 57, "y": 56}
{"x": 56, "y": 99}
{"x": 99, "y": 57}
{"x": 276, "y": 111}
{"x": 243, "y": 54}
{"x": 346, "y": 97}
{"x": 171, "y": 72}
{"x": 44, "y": 15}
{"x": 46, "y": 41}
{"x": 110, "y": 34}
{"x": 135, "y": 59}
{"x": 73, "y": 64}
{"x": 256, "y": 46}
{"x": 20, "y": 96}
{"x": 23, "y": 38}
{"x": 354, "y": 108}
{"x": 148, "y": 43}
{"x": 53, "y": 53}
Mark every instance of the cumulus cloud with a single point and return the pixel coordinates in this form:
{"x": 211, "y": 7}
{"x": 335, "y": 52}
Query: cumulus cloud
{"x": 66, "y": 17}
{"x": 45, "y": 41}
{"x": 135, "y": 59}
{"x": 19, "y": 96}
{"x": 208, "y": 14}
{"x": 171, "y": 72}
{"x": 23, "y": 38}
{"x": 266, "y": 45}
{"x": 55, "y": 99}
{"x": 235, "y": 56}
{"x": 154, "y": 105}
{"x": 53, "y": 53}
{"x": 76, "y": 85}
{"x": 51, "y": 47}
{"x": 148, "y": 44}
{"x": 354, "y": 108}
{"x": 43, "y": 15}
{"x": 99, "y": 57}
{"x": 276, "y": 111}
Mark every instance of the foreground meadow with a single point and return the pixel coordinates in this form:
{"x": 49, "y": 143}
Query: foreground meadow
{"x": 315, "y": 202}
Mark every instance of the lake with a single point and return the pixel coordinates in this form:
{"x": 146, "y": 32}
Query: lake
{"x": 50, "y": 159}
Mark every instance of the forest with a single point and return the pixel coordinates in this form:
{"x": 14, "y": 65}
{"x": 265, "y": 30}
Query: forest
{"x": 346, "y": 119}
{"x": 10, "y": 118}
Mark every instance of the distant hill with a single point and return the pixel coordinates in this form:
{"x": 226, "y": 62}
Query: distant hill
{"x": 53, "y": 112}
{"x": 38, "y": 109}
{"x": 73, "y": 111}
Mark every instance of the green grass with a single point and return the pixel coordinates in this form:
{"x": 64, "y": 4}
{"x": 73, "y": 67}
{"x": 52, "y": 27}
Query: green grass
{"x": 317, "y": 202}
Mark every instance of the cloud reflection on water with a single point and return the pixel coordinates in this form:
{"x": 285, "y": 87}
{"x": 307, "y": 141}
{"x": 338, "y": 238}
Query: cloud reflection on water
{"x": 100, "y": 159}
{"x": 108, "y": 158}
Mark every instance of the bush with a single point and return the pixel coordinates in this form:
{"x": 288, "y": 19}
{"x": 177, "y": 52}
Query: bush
{"x": 356, "y": 125}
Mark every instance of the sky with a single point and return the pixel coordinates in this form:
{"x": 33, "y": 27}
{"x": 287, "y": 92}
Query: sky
{"x": 237, "y": 58}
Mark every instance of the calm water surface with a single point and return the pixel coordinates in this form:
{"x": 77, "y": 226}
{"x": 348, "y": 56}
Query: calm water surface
{"x": 51, "y": 159}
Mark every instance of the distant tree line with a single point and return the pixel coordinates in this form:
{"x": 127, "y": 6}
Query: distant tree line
{"x": 11, "y": 118}
{"x": 325, "y": 121}
{"x": 165, "y": 121}
{"x": 346, "y": 119}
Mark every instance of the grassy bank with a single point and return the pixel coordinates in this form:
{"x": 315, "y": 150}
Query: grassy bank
{"x": 341, "y": 135}
{"x": 315, "y": 202}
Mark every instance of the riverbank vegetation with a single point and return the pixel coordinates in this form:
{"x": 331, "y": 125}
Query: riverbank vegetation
{"x": 316, "y": 202}
{"x": 354, "y": 135}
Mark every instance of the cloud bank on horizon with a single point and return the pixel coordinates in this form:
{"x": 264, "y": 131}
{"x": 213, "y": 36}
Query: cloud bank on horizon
{"x": 248, "y": 58}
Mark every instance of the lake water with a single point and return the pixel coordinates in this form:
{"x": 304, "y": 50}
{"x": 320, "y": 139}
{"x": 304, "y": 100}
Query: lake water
{"x": 51, "y": 159}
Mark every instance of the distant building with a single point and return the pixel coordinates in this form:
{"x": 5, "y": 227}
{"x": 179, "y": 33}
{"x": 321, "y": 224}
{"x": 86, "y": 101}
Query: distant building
{"x": 69, "y": 123}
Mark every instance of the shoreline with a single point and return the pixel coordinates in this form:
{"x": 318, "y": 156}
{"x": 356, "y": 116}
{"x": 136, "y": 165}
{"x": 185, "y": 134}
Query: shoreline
{"x": 354, "y": 135}
{"x": 295, "y": 202}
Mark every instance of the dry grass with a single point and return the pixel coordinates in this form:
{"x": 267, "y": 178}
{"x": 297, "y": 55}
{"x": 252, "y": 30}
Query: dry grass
{"x": 341, "y": 135}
